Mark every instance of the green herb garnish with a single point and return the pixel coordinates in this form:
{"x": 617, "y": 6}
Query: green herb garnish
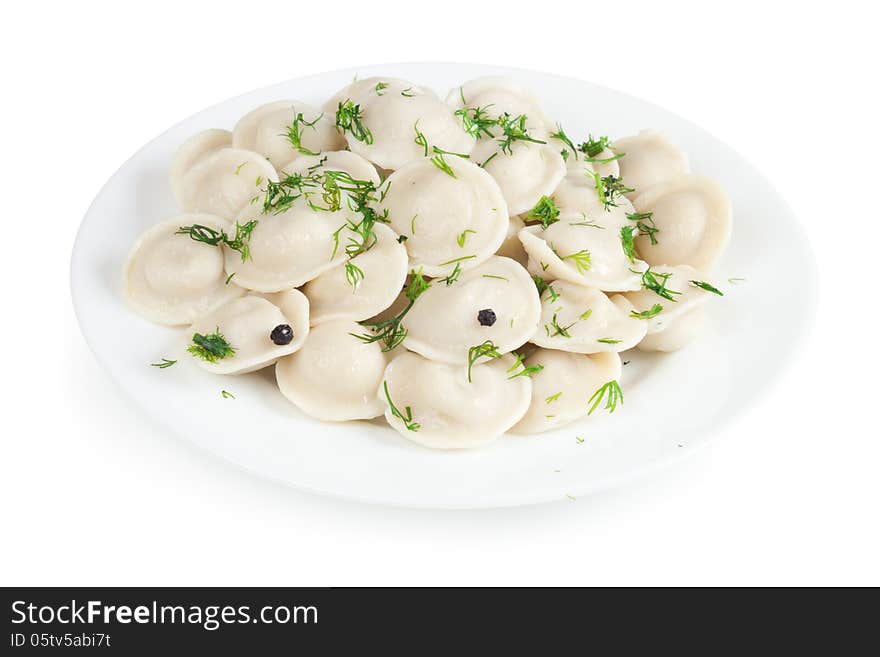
{"x": 476, "y": 121}
{"x": 406, "y": 416}
{"x": 163, "y": 363}
{"x": 485, "y": 350}
{"x": 626, "y": 241}
{"x": 514, "y": 129}
{"x": 350, "y": 119}
{"x": 461, "y": 238}
{"x": 295, "y": 130}
{"x": 653, "y": 311}
{"x": 208, "y": 235}
{"x": 211, "y": 347}
{"x": 614, "y": 395}
{"x": 226, "y": 394}
{"x": 709, "y": 288}
{"x": 656, "y": 282}
{"x": 545, "y": 211}
{"x": 391, "y": 332}
{"x": 645, "y": 224}
{"x": 527, "y": 370}
{"x": 581, "y": 260}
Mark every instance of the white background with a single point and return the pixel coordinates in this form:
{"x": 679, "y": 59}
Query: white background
{"x": 93, "y": 493}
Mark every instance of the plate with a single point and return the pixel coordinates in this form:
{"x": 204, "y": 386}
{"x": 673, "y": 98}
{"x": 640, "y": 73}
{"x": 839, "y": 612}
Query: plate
{"x": 672, "y": 401}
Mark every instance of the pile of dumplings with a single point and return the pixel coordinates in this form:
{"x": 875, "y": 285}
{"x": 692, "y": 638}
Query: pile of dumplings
{"x": 460, "y": 267}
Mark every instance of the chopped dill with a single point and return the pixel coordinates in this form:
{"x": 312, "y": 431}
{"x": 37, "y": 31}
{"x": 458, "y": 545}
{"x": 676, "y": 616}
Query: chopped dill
{"x": 612, "y": 394}
{"x": 485, "y": 350}
{"x": 656, "y": 282}
{"x": 581, "y": 259}
{"x": 295, "y": 131}
{"x": 406, "y": 417}
{"x": 645, "y": 224}
{"x": 461, "y": 238}
{"x": 527, "y": 370}
{"x": 208, "y": 235}
{"x": 211, "y": 347}
{"x": 350, "y": 119}
{"x": 545, "y": 211}
{"x": 164, "y": 363}
{"x": 651, "y": 312}
{"x": 709, "y": 288}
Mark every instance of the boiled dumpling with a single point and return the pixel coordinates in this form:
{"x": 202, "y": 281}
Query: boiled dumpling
{"x": 363, "y": 286}
{"x": 584, "y": 320}
{"x": 581, "y": 251}
{"x": 525, "y": 174}
{"x": 250, "y": 333}
{"x": 225, "y": 182}
{"x": 500, "y": 95}
{"x": 172, "y": 279}
{"x": 511, "y": 247}
{"x": 286, "y": 130}
{"x": 692, "y": 215}
{"x": 671, "y": 324}
{"x": 290, "y": 248}
{"x": 650, "y": 158}
{"x": 435, "y": 405}
{"x": 495, "y": 301}
{"x": 447, "y": 221}
{"x": 335, "y": 376}
{"x": 562, "y": 388}
{"x": 386, "y": 122}
{"x": 191, "y": 151}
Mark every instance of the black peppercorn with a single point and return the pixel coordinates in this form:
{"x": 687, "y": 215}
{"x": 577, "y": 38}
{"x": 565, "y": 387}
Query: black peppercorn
{"x": 486, "y": 317}
{"x": 282, "y": 334}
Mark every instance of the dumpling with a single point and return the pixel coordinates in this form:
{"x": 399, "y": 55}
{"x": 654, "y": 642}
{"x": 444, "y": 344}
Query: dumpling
{"x": 584, "y": 320}
{"x": 172, "y": 279}
{"x": 650, "y": 158}
{"x": 562, "y": 388}
{"x": 525, "y": 174}
{"x": 383, "y": 125}
{"x": 363, "y": 286}
{"x": 511, "y": 247}
{"x": 496, "y": 301}
{"x": 225, "y": 182}
{"x": 584, "y": 252}
{"x": 671, "y": 322}
{"x": 290, "y": 248}
{"x": 286, "y": 130}
{"x": 499, "y": 95}
{"x": 692, "y": 215}
{"x": 447, "y": 221}
{"x": 250, "y": 333}
{"x": 191, "y": 151}
{"x": 335, "y": 376}
{"x": 435, "y": 405}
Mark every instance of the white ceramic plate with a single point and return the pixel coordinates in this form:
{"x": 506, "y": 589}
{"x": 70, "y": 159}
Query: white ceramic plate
{"x": 673, "y": 403}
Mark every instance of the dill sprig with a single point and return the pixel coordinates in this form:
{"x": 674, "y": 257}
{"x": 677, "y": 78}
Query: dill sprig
{"x": 456, "y": 272}
{"x": 463, "y": 237}
{"x": 543, "y": 285}
{"x": 706, "y": 286}
{"x": 582, "y": 260}
{"x": 545, "y": 211}
{"x": 527, "y": 370}
{"x": 485, "y": 350}
{"x": 476, "y": 121}
{"x": 406, "y": 416}
{"x": 559, "y": 330}
{"x": 211, "y": 347}
{"x": 208, "y": 235}
{"x": 391, "y": 332}
{"x": 612, "y": 394}
{"x": 627, "y": 234}
{"x": 656, "y": 282}
{"x": 349, "y": 119}
{"x": 380, "y": 87}
{"x": 295, "y": 130}
{"x": 645, "y": 224}
{"x": 514, "y": 129}
{"x": 164, "y": 363}
{"x": 653, "y": 311}
{"x": 610, "y": 189}
{"x": 592, "y": 147}
{"x": 569, "y": 146}
{"x": 353, "y": 274}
